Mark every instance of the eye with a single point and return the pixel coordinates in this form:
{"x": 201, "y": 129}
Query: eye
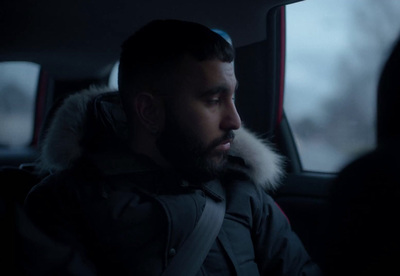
{"x": 214, "y": 100}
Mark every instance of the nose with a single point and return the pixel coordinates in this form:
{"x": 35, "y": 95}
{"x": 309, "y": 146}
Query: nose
{"x": 231, "y": 119}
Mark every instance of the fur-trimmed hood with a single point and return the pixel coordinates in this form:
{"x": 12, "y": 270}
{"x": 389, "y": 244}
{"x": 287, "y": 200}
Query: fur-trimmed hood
{"x": 62, "y": 143}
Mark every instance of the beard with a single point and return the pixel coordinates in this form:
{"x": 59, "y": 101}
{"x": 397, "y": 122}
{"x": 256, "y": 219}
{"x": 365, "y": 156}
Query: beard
{"x": 192, "y": 158}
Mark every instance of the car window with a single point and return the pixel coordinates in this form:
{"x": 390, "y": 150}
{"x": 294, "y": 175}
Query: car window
{"x": 18, "y": 86}
{"x": 113, "y": 79}
{"x": 335, "y": 50}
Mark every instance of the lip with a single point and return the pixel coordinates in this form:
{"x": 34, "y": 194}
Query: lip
{"x": 224, "y": 145}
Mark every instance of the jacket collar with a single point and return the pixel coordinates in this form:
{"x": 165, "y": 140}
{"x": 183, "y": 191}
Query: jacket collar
{"x": 66, "y": 140}
{"x": 144, "y": 173}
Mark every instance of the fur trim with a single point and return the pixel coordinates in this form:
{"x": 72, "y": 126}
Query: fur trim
{"x": 263, "y": 164}
{"x": 62, "y": 143}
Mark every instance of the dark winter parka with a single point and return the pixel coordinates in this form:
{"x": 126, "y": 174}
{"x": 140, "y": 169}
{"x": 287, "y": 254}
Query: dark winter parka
{"x": 120, "y": 214}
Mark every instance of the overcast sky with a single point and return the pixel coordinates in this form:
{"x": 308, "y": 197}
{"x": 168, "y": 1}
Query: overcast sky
{"x": 321, "y": 33}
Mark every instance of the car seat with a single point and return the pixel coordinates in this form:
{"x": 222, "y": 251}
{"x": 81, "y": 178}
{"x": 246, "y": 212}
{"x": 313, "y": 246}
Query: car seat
{"x": 25, "y": 249}
{"x": 363, "y": 232}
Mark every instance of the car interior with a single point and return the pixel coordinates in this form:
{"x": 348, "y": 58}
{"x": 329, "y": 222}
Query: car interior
{"x": 77, "y": 45}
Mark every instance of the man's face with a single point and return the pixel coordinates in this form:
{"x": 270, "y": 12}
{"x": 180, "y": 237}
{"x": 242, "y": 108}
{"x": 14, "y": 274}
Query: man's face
{"x": 200, "y": 116}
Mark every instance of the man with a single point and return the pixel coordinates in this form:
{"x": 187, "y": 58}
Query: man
{"x": 128, "y": 189}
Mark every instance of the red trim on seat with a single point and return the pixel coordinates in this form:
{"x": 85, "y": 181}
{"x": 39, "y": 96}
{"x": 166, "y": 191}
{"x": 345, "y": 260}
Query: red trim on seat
{"x": 40, "y": 105}
{"x": 282, "y": 65}
{"x": 282, "y": 212}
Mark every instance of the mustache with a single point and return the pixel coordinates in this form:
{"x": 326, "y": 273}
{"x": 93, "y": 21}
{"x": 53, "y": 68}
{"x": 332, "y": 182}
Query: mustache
{"x": 230, "y": 135}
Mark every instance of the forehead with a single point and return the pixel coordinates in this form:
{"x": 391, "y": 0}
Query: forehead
{"x": 204, "y": 74}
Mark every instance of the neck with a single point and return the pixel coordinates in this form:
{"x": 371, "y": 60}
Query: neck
{"x": 145, "y": 143}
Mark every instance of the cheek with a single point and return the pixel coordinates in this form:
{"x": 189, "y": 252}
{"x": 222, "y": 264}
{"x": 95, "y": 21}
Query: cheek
{"x": 202, "y": 123}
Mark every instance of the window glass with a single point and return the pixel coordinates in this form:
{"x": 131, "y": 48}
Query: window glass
{"x": 113, "y": 79}
{"x": 18, "y": 85}
{"x": 224, "y": 35}
{"x": 335, "y": 52}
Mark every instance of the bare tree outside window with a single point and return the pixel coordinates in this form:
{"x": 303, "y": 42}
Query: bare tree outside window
{"x": 335, "y": 51}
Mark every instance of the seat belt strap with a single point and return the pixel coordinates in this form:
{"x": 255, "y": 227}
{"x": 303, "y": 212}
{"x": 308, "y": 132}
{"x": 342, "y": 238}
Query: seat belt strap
{"x": 191, "y": 255}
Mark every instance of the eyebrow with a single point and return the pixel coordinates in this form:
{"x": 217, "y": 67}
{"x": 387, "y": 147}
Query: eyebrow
{"x": 218, "y": 90}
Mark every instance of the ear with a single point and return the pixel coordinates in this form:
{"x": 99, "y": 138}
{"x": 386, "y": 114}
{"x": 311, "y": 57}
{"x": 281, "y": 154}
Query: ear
{"x": 150, "y": 111}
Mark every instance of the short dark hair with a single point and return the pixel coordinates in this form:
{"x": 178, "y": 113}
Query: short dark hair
{"x": 149, "y": 53}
